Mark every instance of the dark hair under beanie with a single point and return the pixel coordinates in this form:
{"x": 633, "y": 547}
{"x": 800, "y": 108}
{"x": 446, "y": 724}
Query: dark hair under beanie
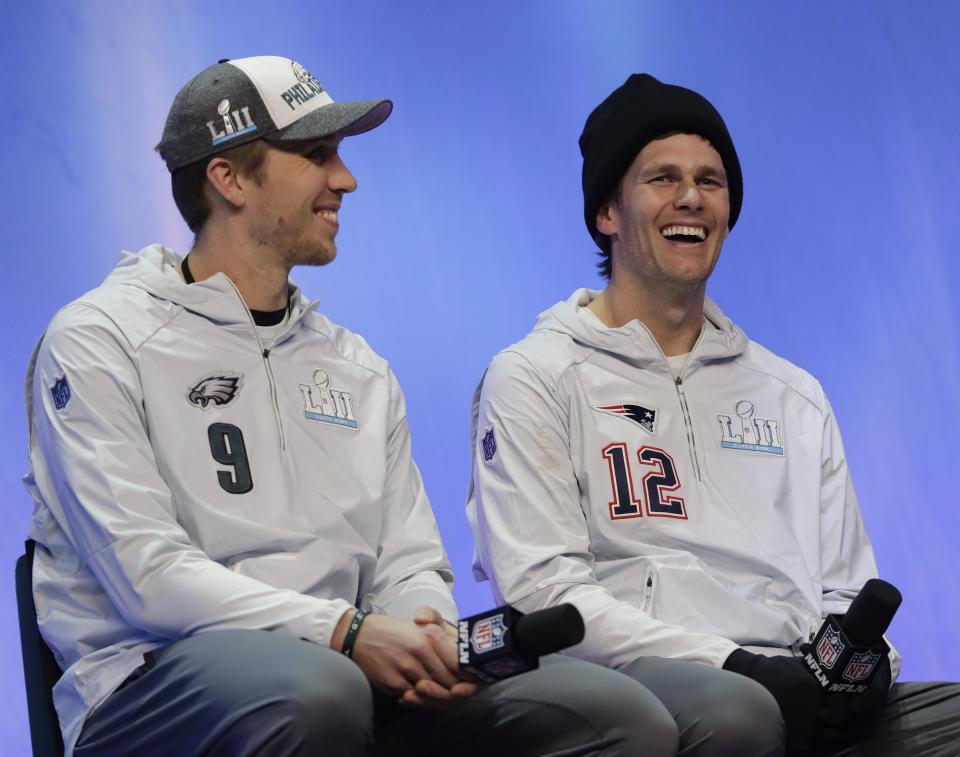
{"x": 635, "y": 113}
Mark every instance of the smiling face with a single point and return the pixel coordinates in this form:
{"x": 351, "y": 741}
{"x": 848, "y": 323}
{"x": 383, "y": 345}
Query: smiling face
{"x": 670, "y": 217}
{"x": 293, "y": 209}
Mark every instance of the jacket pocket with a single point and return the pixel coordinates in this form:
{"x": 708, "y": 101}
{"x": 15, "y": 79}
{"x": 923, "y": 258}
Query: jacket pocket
{"x": 649, "y": 587}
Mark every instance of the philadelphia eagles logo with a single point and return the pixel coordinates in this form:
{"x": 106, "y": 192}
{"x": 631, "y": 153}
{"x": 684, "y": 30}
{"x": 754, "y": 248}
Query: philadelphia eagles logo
{"x": 218, "y": 390}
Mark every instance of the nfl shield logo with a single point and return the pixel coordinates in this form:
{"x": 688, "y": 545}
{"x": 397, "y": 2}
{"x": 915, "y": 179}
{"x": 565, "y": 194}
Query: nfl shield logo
{"x": 830, "y": 647}
{"x": 488, "y": 634}
{"x": 489, "y": 446}
{"x": 61, "y": 393}
{"x": 861, "y": 665}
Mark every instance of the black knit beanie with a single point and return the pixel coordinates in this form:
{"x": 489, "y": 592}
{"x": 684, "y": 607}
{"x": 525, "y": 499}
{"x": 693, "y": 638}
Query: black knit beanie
{"x": 639, "y": 111}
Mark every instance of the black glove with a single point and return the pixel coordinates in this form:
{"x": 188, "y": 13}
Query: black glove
{"x": 867, "y": 707}
{"x": 797, "y": 692}
{"x": 847, "y": 718}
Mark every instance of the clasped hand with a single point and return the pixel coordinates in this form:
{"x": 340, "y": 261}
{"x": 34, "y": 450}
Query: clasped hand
{"x": 414, "y": 661}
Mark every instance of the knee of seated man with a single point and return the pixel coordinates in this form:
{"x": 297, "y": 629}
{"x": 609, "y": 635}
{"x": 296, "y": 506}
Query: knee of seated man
{"x": 647, "y": 725}
{"x": 736, "y": 715}
{"x": 633, "y": 720}
{"x": 308, "y": 683}
{"x": 326, "y": 682}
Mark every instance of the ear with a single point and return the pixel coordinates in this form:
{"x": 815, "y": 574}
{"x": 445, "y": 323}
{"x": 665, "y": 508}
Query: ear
{"x": 226, "y": 181}
{"x": 608, "y": 219}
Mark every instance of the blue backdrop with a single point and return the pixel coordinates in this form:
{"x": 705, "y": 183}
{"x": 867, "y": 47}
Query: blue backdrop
{"x": 468, "y": 217}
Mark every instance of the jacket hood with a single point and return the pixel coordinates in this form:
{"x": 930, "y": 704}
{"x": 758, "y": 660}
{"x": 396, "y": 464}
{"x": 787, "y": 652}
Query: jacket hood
{"x": 719, "y": 340}
{"x": 154, "y": 269}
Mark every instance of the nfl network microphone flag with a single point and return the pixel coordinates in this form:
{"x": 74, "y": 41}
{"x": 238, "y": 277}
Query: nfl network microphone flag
{"x": 504, "y": 642}
{"x": 845, "y": 652}
{"x": 837, "y": 662}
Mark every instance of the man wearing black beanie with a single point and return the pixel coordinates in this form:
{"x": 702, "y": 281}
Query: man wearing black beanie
{"x": 636, "y": 113}
{"x": 638, "y": 456}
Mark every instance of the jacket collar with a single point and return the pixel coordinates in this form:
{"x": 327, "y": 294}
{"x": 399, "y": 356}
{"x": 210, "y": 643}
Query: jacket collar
{"x": 720, "y": 339}
{"x": 155, "y": 269}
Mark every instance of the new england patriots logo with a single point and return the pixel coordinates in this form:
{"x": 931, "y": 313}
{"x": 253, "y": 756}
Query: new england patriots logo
{"x": 217, "y": 390}
{"x": 642, "y": 416}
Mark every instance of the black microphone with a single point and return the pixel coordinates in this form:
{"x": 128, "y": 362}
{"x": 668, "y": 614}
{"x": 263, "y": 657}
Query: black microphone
{"x": 505, "y": 642}
{"x": 844, "y": 654}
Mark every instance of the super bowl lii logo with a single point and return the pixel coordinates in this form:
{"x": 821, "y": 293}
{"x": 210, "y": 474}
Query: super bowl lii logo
{"x": 327, "y": 405}
{"x": 235, "y": 123}
{"x": 748, "y": 432}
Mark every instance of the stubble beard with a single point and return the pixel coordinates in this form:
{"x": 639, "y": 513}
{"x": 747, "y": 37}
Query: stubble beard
{"x": 665, "y": 281}
{"x": 293, "y": 243}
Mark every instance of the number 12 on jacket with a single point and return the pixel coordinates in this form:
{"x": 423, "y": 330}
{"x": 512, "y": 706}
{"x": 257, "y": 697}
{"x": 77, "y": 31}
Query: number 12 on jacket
{"x": 659, "y": 480}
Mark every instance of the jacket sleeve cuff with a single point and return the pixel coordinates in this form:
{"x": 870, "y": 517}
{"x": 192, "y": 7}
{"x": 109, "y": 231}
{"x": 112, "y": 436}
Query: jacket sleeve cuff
{"x": 427, "y": 593}
{"x": 322, "y": 631}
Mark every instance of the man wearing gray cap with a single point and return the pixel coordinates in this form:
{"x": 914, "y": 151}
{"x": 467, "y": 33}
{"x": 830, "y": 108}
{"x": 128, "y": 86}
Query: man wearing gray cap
{"x": 639, "y": 457}
{"x": 225, "y": 494}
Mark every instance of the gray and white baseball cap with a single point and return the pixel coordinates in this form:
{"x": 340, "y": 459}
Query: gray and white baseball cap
{"x": 238, "y": 101}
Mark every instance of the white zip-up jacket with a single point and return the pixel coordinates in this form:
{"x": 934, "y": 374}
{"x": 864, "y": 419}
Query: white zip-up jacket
{"x": 189, "y": 478}
{"x": 683, "y": 517}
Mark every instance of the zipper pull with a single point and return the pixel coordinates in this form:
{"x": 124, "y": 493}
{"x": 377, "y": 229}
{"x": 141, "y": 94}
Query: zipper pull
{"x": 266, "y": 353}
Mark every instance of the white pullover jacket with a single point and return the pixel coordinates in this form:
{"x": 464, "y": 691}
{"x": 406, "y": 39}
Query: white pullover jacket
{"x": 683, "y": 517}
{"x": 188, "y": 478}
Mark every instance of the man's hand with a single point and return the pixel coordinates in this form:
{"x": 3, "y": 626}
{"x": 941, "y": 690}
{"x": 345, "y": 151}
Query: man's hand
{"x": 848, "y": 717}
{"x": 413, "y": 661}
{"x": 426, "y": 691}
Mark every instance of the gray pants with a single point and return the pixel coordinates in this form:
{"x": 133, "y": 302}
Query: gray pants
{"x": 722, "y": 714}
{"x": 718, "y": 713}
{"x": 260, "y": 693}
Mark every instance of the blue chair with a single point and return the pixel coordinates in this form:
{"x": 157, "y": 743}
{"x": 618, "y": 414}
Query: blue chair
{"x": 40, "y": 669}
